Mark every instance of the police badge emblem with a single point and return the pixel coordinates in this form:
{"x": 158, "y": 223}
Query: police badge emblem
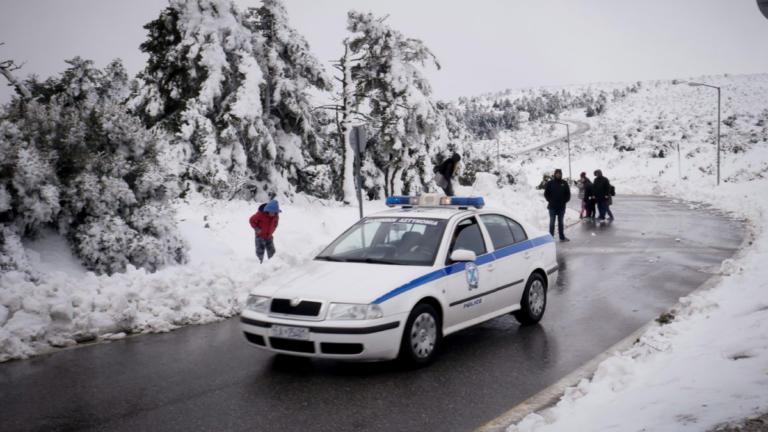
{"x": 473, "y": 275}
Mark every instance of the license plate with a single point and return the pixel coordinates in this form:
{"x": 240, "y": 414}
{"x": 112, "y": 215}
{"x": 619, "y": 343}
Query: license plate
{"x": 301, "y": 333}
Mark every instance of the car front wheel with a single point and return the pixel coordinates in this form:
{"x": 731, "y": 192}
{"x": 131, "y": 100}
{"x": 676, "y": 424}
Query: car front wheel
{"x": 534, "y": 301}
{"x": 421, "y": 336}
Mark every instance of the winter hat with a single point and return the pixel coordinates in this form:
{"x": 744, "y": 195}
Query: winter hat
{"x": 598, "y": 173}
{"x": 558, "y": 171}
{"x": 583, "y": 174}
{"x": 272, "y": 207}
{"x": 456, "y": 157}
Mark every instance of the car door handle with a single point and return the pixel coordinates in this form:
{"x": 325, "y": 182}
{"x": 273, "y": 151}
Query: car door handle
{"x": 491, "y": 267}
{"x": 527, "y": 255}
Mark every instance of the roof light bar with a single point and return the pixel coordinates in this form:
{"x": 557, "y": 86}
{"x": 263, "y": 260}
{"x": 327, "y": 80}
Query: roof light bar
{"x": 431, "y": 200}
{"x": 477, "y": 202}
{"x": 401, "y": 200}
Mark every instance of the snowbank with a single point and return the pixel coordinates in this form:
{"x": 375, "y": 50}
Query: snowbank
{"x": 66, "y": 304}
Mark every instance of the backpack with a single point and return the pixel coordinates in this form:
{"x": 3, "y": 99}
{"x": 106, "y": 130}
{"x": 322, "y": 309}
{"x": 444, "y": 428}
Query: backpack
{"x": 612, "y": 191}
{"x": 440, "y": 180}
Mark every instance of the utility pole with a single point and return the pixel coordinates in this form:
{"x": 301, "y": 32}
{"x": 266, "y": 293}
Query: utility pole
{"x": 698, "y": 84}
{"x": 718, "y": 136}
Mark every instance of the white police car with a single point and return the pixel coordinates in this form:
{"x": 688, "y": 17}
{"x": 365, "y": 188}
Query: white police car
{"x": 398, "y": 281}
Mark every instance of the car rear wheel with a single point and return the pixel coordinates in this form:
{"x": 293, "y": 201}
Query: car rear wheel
{"x": 421, "y": 336}
{"x": 534, "y": 301}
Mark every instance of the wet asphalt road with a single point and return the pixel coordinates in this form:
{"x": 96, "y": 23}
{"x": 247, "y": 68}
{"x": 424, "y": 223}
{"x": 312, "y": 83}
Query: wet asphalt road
{"x": 205, "y": 378}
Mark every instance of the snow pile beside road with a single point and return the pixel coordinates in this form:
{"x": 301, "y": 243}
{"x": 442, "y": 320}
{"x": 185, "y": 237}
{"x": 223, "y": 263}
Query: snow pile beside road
{"x": 65, "y": 304}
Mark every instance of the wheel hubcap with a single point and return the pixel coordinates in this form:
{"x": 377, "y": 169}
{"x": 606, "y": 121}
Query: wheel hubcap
{"x": 536, "y": 298}
{"x": 423, "y": 335}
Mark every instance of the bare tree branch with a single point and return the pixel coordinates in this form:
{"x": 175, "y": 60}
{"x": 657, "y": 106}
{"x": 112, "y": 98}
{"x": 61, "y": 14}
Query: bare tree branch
{"x": 8, "y": 66}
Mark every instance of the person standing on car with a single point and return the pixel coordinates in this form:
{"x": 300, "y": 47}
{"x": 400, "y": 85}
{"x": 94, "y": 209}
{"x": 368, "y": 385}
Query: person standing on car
{"x": 264, "y": 223}
{"x": 446, "y": 171}
{"x": 601, "y": 190}
{"x": 557, "y": 193}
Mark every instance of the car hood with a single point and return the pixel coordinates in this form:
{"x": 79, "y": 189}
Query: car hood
{"x": 340, "y": 281}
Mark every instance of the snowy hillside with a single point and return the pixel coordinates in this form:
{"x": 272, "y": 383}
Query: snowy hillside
{"x": 637, "y": 137}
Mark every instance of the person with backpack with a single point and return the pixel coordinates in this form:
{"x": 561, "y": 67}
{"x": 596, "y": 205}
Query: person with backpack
{"x": 585, "y": 193}
{"x": 445, "y": 171}
{"x": 557, "y": 192}
{"x": 601, "y": 191}
{"x": 264, "y": 223}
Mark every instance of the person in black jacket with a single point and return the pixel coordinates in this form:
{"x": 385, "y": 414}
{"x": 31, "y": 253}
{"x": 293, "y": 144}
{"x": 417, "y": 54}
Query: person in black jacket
{"x": 557, "y": 193}
{"x": 448, "y": 170}
{"x": 601, "y": 190}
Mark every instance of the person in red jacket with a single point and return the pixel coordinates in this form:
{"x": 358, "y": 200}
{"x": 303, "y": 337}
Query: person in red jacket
{"x": 264, "y": 223}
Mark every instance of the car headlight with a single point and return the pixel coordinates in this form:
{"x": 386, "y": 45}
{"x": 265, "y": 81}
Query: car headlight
{"x": 257, "y": 303}
{"x": 350, "y": 311}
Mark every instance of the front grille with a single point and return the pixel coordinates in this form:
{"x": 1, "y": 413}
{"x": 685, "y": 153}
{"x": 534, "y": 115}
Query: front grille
{"x": 255, "y": 339}
{"x": 341, "y": 348}
{"x": 304, "y": 308}
{"x": 292, "y": 345}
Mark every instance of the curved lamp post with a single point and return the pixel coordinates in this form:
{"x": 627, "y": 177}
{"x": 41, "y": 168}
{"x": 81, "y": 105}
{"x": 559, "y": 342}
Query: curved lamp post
{"x": 698, "y": 84}
{"x": 567, "y": 140}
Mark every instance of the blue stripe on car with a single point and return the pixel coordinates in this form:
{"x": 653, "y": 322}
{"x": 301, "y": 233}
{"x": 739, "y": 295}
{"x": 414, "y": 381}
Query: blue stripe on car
{"x": 459, "y": 267}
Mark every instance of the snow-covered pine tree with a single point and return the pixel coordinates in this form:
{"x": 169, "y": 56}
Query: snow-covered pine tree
{"x": 76, "y": 160}
{"x": 202, "y": 83}
{"x": 387, "y": 74}
{"x": 291, "y": 71}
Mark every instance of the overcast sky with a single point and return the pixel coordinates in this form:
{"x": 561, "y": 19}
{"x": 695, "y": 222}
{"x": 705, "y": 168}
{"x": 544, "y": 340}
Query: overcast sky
{"x": 483, "y": 45}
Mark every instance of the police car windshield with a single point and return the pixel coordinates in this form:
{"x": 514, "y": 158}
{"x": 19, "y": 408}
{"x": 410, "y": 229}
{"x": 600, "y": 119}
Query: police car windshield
{"x": 393, "y": 240}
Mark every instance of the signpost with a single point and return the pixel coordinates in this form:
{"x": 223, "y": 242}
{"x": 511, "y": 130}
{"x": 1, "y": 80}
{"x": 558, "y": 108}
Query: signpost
{"x": 358, "y": 141}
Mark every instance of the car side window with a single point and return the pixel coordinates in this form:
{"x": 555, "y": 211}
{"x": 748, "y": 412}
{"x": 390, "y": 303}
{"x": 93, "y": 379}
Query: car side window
{"x": 517, "y": 231}
{"x": 499, "y": 229}
{"x": 467, "y": 235}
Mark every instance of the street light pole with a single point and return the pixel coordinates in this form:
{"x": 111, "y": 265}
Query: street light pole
{"x": 698, "y": 84}
{"x": 718, "y": 135}
{"x": 568, "y": 141}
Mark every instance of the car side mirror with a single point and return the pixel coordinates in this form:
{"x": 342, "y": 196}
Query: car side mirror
{"x": 463, "y": 255}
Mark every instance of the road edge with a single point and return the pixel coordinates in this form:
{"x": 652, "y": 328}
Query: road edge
{"x": 551, "y": 395}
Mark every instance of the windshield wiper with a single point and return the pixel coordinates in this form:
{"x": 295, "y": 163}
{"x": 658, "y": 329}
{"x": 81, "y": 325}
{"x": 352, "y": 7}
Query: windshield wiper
{"x": 330, "y": 258}
{"x": 378, "y": 261}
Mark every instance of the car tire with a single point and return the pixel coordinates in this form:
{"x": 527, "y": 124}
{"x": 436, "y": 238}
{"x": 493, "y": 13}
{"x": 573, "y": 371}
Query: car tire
{"x": 534, "y": 301}
{"x": 421, "y": 336}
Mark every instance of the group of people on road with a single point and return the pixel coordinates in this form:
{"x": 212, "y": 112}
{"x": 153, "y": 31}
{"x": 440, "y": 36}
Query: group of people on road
{"x": 598, "y": 194}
